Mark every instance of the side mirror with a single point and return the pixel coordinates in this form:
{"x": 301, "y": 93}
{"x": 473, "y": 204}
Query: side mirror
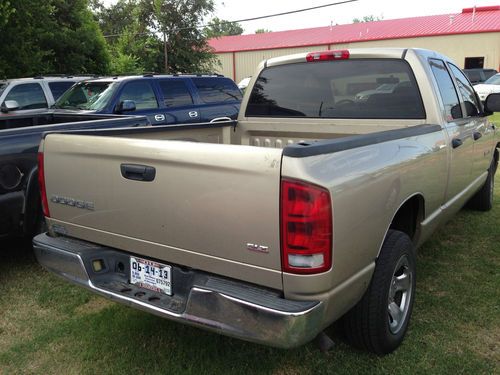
{"x": 9, "y": 105}
{"x": 125, "y": 106}
{"x": 492, "y": 103}
{"x": 456, "y": 111}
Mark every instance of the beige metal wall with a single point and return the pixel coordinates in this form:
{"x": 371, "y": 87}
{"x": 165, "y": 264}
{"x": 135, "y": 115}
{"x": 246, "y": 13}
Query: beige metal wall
{"x": 457, "y": 47}
{"x": 226, "y": 64}
{"x": 246, "y": 62}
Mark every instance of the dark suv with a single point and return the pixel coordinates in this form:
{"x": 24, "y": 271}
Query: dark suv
{"x": 479, "y": 75}
{"x": 164, "y": 99}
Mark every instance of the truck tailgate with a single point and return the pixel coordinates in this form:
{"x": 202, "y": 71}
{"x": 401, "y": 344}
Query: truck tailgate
{"x": 205, "y": 199}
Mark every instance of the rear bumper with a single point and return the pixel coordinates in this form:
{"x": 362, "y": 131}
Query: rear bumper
{"x": 225, "y": 306}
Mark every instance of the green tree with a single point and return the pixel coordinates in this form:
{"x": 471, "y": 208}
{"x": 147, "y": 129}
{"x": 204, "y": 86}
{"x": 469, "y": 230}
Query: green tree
{"x": 176, "y": 22}
{"x": 218, "y": 27}
{"x": 78, "y": 45}
{"x": 369, "y": 18}
{"x": 52, "y": 36}
{"x": 5, "y": 10}
{"x": 262, "y": 31}
{"x": 137, "y": 32}
{"x": 133, "y": 47}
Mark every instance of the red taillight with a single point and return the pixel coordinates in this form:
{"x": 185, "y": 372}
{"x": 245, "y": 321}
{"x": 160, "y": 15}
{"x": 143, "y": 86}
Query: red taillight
{"x": 306, "y": 228}
{"x": 41, "y": 184}
{"x": 328, "y": 55}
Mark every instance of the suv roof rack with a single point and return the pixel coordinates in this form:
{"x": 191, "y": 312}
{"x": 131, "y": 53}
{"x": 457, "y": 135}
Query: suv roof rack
{"x": 198, "y": 74}
{"x": 42, "y": 76}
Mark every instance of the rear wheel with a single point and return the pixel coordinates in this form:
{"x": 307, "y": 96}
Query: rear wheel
{"x": 378, "y": 323}
{"x": 483, "y": 199}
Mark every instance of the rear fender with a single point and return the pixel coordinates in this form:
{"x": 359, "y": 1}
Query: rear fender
{"x": 420, "y": 215}
{"x": 31, "y": 209}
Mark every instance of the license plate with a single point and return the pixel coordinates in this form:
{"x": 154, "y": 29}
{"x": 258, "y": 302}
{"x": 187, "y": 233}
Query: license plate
{"x": 151, "y": 275}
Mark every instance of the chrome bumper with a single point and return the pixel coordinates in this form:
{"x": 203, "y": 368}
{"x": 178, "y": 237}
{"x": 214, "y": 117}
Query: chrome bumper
{"x": 224, "y": 306}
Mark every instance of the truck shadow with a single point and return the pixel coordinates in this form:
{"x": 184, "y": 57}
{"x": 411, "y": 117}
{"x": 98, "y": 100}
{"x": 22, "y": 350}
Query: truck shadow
{"x": 15, "y": 252}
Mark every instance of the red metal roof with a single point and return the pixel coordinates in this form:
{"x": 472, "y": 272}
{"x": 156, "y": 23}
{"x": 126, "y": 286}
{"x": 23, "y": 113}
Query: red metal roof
{"x": 484, "y": 19}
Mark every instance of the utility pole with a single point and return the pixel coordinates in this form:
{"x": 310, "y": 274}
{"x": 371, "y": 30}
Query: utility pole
{"x": 165, "y": 51}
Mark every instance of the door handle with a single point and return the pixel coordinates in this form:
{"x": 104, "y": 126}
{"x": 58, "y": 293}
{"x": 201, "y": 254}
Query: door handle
{"x": 456, "y": 142}
{"x": 477, "y": 135}
{"x": 138, "y": 172}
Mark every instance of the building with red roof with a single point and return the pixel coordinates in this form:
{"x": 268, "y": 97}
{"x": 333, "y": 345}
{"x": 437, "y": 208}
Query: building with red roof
{"x": 471, "y": 38}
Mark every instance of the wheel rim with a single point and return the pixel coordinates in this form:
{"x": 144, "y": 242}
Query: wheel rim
{"x": 400, "y": 294}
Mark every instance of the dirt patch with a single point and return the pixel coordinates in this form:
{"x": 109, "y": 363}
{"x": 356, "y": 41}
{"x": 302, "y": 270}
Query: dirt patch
{"x": 287, "y": 370}
{"x": 94, "y": 305}
{"x": 42, "y": 362}
{"x": 18, "y": 322}
{"x": 486, "y": 343}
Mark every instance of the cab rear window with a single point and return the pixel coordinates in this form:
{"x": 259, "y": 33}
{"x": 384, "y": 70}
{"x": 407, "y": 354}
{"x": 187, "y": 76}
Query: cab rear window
{"x": 363, "y": 88}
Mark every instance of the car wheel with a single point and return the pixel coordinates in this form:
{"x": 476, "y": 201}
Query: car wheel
{"x": 483, "y": 199}
{"x": 378, "y": 323}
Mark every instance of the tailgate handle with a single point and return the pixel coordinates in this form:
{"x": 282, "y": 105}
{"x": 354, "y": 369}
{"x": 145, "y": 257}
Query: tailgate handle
{"x": 138, "y": 172}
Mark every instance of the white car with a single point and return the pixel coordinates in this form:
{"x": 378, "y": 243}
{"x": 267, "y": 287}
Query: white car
{"x": 244, "y": 83}
{"x": 490, "y": 86}
{"x": 28, "y": 95}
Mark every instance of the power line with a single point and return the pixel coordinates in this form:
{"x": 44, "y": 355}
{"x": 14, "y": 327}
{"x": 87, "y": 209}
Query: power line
{"x": 250, "y": 19}
{"x": 294, "y": 11}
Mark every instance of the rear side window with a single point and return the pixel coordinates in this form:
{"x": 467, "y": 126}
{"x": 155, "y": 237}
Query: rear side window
{"x": 467, "y": 91}
{"x": 175, "y": 93}
{"x": 446, "y": 89}
{"x": 362, "y": 88}
{"x": 216, "y": 90}
{"x": 141, "y": 93}
{"x": 28, "y": 96}
{"x": 58, "y": 88}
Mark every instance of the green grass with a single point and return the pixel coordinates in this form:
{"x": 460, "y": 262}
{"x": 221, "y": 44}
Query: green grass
{"x": 495, "y": 118}
{"x": 48, "y": 326}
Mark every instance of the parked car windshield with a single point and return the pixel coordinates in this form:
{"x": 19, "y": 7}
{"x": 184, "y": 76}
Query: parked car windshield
{"x": 87, "y": 95}
{"x": 494, "y": 80}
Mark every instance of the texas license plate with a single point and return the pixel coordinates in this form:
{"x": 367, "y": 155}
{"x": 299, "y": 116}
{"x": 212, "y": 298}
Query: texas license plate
{"x": 151, "y": 275}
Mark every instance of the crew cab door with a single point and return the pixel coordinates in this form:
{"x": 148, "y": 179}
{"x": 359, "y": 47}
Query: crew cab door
{"x": 460, "y": 131}
{"x": 482, "y": 133}
{"x": 178, "y": 102}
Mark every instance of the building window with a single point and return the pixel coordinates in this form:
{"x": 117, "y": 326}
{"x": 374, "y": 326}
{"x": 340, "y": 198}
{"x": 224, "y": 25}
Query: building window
{"x": 474, "y": 63}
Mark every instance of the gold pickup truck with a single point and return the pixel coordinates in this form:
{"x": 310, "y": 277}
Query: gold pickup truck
{"x": 306, "y": 210}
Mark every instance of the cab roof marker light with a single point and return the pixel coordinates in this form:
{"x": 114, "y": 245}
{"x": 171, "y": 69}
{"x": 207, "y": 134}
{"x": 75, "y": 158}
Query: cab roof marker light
{"x": 328, "y": 55}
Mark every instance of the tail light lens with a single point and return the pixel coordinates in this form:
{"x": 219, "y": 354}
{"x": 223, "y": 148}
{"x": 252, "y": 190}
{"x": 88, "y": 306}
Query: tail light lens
{"x": 306, "y": 228}
{"x": 328, "y": 55}
{"x": 41, "y": 184}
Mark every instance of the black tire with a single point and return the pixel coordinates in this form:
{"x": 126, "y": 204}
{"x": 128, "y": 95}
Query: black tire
{"x": 483, "y": 199}
{"x": 369, "y": 324}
